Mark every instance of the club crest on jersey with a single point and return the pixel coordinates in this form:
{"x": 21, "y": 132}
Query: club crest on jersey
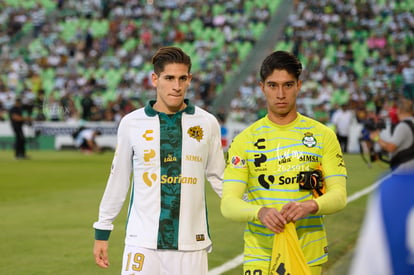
{"x": 238, "y": 162}
{"x": 196, "y": 132}
{"x": 309, "y": 140}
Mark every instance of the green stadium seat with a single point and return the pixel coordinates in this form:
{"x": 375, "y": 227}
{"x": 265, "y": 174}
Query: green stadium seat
{"x": 248, "y": 6}
{"x": 218, "y": 9}
{"x": 244, "y": 49}
{"x": 99, "y": 28}
{"x": 28, "y": 4}
{"x": 273, "y": 5}
{"x": 130, "y": 44}
{"x": 258, "y": 30}
{"x": 48, "y": 4}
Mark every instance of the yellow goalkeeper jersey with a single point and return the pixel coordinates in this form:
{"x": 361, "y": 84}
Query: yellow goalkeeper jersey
{"x": 264, "y": 162}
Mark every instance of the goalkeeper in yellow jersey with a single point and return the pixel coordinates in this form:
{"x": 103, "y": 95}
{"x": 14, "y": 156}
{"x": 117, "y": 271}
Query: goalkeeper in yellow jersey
{"x": 290, "y": 167}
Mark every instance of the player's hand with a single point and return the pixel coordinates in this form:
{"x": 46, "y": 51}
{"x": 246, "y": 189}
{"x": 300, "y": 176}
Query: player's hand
{"x": 294, "y": 211}
{"x": 100, "y": 252}
{"x": 272, "y": 219}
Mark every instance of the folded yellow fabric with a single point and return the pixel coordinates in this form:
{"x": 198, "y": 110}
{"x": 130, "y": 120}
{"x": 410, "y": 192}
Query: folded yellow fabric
{"x": 287, "y": 256}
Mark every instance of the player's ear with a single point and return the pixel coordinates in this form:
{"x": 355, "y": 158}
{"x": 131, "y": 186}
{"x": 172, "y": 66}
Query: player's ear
{"x": 154, "y": 79}
{"x": 261, "y": 84}
{"x": 299, "y": 83}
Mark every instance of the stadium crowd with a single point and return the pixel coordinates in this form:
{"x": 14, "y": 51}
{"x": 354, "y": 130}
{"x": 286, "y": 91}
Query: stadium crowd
{"x": 355, "y": 53}
{"x": 90, "y": 59}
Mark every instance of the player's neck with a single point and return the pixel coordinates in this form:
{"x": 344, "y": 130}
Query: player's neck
{"x": 281, "y": 119}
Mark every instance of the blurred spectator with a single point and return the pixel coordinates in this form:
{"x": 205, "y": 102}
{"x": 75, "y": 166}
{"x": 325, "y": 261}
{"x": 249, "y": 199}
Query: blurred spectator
{"x": 343, "y": 119}
{"x": 87, "y": 103}
{"x": 377, "y": 41}
{"x": 85, "y": 140}
{"x": 408, "y": 76}
{"x": 320, "y": 113}
{"x": 3, "y": 112}
{"x": 400, "y": 145}
{"x": 364, "y": 47}
{"x": 393, "y": 114}
{"x": 17, "y": 120}
{"x": 340, "y": 96}
{"x": 338, "y": 41}
{"x": 38, "y": 18}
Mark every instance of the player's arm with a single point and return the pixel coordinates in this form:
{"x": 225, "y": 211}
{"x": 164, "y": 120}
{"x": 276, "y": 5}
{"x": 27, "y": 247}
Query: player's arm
{"x": 392, "y": 143}
{"x": 114, "y": 196}
{"x": 335, "y": 175}
{"x": 234, "y": 185}
{"x": 92, "y": 144}
{"x": 232, "y": 204}
{"x": 385, "y": 145}
{"x": 215, "y": 163}
{"x": 334, "y": 199}
{"x": 19, "y": 118}
{"x": 235, "y": 208}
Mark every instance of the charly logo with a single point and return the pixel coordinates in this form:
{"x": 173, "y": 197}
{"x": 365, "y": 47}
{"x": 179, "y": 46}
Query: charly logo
{"x": 149, "y": 154}
{"x": 258, "y": 143}
{"x": 149, "y": 179}
{"x": 196, "y": 132}
{"x": 309, "y": 140}
{"x": 259, "y": 159}
{"x": 266, "y": 182}
{"x": 148, "y": 135}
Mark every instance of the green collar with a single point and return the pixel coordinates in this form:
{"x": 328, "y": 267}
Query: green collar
{"x": 149, "y": 110}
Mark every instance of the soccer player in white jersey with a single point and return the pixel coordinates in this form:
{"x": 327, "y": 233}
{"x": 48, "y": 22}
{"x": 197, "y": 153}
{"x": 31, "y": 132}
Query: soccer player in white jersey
{"x": 165, "y": 152}
{"x": 275, "y": 161}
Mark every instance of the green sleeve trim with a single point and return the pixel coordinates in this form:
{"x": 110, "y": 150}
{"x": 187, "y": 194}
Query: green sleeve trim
{"x": 102, "y": 235}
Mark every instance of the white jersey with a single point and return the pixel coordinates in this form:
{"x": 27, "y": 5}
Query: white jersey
{"x": 168, "y": 202}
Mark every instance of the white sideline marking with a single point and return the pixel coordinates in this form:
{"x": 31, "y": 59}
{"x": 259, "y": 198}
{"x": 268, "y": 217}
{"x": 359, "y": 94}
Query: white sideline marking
{"x": 238, "y": 260}
{"x": 227, "y": 266}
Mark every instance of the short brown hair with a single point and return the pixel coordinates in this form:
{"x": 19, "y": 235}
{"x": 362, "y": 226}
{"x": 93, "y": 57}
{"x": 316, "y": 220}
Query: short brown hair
{"x": 281, "y": 60}
{"x": 168, "y": 55}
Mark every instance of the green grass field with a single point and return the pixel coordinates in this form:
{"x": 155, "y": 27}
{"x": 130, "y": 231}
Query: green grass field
{"x": 49, "y": 203}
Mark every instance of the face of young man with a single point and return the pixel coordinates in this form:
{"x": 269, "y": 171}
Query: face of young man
{"x": 171, "y": 85}
{"x": 281, "y": 90}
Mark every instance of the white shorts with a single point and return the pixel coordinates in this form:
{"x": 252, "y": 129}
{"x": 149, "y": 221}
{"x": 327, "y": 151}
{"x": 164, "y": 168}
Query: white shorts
{"x": 143, "y": 261}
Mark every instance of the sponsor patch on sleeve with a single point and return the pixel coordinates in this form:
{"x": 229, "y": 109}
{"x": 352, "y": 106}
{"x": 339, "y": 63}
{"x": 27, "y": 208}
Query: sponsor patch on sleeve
{"x": 238, "y": 162}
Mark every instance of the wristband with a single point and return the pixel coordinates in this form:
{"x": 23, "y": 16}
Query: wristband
{"x": 102, "y": 235}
